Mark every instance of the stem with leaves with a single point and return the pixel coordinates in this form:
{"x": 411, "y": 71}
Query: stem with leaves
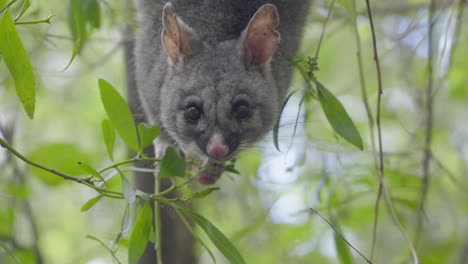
{"x": 157, "y": 220}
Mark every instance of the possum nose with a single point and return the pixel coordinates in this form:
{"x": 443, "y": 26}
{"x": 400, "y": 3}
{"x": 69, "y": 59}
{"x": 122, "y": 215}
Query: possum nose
{"x": 216, "y": 147}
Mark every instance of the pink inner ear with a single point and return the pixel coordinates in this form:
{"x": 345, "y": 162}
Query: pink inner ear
{"x": 261, "y": 39}
{"x": 171, "y": 34}
{"x": 171, "y": 46}
{"x": 261, "y": 45}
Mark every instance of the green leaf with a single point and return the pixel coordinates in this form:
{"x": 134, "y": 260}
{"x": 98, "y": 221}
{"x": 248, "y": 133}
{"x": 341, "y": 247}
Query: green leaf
{"x": 125, "y": 223}
{"x": 231, "y": 168}
{"x": 199, "y": 195}
{"x": 90, "y": 203}
{"x": 140, "y": 234}
{"x": 276, "y": 128}
{"x": 60, "y": 157}
{"x": 86, "y": 168}
{"x": 83, "y": 17}
{"x": 219, "y": 240}
{"x": 92, "y": 12}
{"x": 17, "y": 62}
{"x": 344, "y": 254}
{"x": 127, "y": 189}
{"x": 76, "y": 47}
{"x": 195, "y": 235}
{"x": 108, "y": 132}
{"x": 24, "y": 7}
{"x": 338, "y": 117}
{"x": 119, "y": 114}
{"x": 147, "y": 134}
{"x": 172, "y": 164}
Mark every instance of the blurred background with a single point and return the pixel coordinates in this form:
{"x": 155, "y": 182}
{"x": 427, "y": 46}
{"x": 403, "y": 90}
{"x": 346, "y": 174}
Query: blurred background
{"x": 266, "y": 210}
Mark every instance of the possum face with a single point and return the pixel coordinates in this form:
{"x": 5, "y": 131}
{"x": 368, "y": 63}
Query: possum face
{"x": 216, "y": 106}
{"x": 218, "y": 98}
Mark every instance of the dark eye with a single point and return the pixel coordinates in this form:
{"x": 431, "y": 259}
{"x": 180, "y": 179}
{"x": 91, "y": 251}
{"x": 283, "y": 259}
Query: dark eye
{"x": 193, "y": 113}
{"x": 241, "y": 110}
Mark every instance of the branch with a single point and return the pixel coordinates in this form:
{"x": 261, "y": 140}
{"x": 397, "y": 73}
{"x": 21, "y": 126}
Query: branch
{"x": 427, "y": 154}
{"x": 84, "y": 181}
{"x": 380, "y": 168}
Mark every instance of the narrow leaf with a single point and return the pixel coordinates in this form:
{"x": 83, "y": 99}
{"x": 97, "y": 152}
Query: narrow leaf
{"x": 140, "y": 234}
{"x": 338, "y": 117}
{"x": 276, "y": 128}
{"x": 86, "y": 168}
{"x": 93, "y": 13}
{"x": 127, "y": 189}
{"x": 119, "y": 114}
{"x": 344, "y": 253}
{"x": 172, "y": 164}
{"x": 231, "y": 168}
{"x": 90, "y": 203}
{"x": 147, "y": 134}
{"x": 24, "y": 7}
{"x": 195, "y": 235}
{"x": 17, "y": 62}
{"x": 199, "y": 195}
{"x": 125, "y": 224}
{"x": 76, "y": 47}
{"x": 219, "y": 240}
{"x": 108, "y": 132}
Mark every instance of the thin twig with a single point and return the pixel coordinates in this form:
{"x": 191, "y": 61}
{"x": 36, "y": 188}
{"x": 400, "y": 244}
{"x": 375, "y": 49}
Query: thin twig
{"x": 330, "y": 9}
{"x": 33, "y": 22}
{"x": 382, "y": 188}
{"x": 129, "y": 161}
{"x": 370, "y": 119}
{"x": 427, "y": 154}
{"x": 341, "y": 235}
{"x": 84, "y": 181}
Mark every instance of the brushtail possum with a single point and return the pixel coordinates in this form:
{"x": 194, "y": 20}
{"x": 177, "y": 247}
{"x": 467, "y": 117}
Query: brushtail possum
{"x": 213, "y": 74}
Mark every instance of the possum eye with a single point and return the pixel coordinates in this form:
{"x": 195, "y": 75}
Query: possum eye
{"x": 241, "y": 110}
{"x": 193, "y": 113}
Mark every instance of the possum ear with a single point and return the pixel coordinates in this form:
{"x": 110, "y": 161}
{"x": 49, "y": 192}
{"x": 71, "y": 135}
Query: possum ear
{"x": 260, "y": 40}
{"x": 178, "y": 39}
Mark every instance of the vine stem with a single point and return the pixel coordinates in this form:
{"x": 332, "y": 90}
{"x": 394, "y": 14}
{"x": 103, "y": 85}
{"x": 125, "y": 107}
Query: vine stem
{"x": 383, "y": 191}
{"x": 427, "y": 154}
{"x": 157, "y": 219}
{"x": 370, "y": 119}
{"x": 84, "y": 181}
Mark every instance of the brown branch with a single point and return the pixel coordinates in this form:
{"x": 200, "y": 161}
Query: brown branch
{"x": 370, "y": 119}
{"x": 382, "y": 188}
{"x": 427, "y": 154}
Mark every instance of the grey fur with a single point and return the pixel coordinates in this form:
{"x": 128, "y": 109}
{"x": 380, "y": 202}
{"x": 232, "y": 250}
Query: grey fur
{"x": 215, "y": 75}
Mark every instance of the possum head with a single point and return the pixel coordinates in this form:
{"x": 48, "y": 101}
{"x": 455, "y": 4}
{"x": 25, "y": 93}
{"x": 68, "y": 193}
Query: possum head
{"x": 218, "y": 98}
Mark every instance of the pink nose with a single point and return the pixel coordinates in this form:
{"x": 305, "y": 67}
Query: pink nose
{"x": 216, "y": 147}
{"x": 217, "y": 151}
